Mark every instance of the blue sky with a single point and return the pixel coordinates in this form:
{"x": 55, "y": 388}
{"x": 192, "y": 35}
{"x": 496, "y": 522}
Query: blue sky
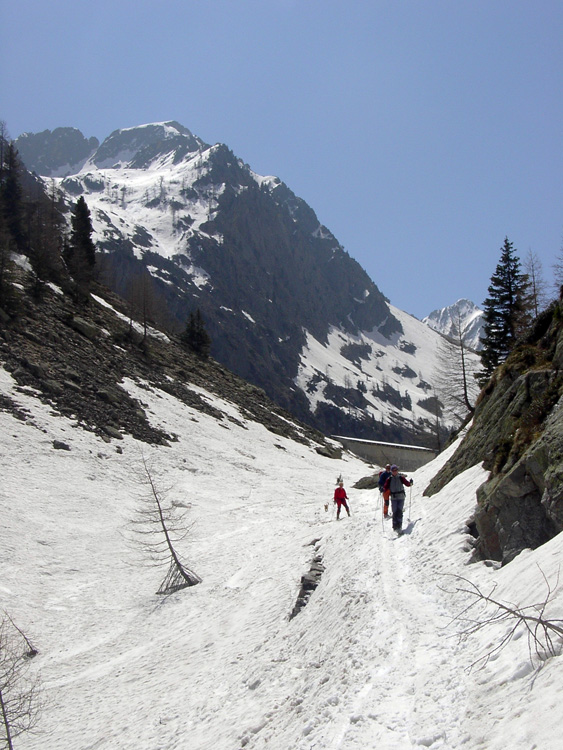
{"x": 422, "y": 132}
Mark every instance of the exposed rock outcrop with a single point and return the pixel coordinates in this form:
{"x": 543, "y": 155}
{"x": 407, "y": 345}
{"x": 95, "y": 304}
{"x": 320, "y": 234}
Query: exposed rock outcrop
{"x": 309, "y": 582}
{"x": 517, "y": 433}
{"x": 75, "y": 357}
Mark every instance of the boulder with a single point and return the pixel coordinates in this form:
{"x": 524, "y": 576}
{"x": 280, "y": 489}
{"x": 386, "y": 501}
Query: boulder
{"x": 87, "y": 329}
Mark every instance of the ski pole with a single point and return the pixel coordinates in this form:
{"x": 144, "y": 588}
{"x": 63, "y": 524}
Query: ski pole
{"x": 410, "y": 501}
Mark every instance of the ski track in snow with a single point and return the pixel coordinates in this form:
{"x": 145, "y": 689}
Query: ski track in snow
{"x": 370, "y": 666}
{"x": 372, "y": 661}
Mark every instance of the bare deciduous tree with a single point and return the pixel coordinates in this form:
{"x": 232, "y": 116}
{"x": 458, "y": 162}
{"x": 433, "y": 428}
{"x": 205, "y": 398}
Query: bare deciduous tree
{"x": 158, "y": 528}
{"x": 558, "y": 274}
{"x": 19, "y": 692}
{"x": 454, "y": 381}
{"x": 538, "y": 288}
{"x": 142, "y": 300}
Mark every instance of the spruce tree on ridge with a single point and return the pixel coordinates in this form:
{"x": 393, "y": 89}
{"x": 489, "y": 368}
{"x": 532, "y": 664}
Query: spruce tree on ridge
{"x": 506, "y": 311}
{"x": 81, "y": 252}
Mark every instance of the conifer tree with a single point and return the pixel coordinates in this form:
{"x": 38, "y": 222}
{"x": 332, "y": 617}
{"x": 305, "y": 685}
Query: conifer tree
{"x": 44, "y": 224}
{"x": 4, "y": 137}
{"x": 81, "y": 251}
{"x": 506, "y": 311}
{"x": 11, "y": 199}
{"x": 30, "y": 221}
{"x": 158, "y": 529}
{"x": 6, "y": 286}
{"x": 195, "y": 337}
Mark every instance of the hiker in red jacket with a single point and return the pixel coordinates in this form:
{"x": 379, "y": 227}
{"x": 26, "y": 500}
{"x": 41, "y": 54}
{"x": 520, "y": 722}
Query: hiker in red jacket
{"x": 385, "y": 494}
{"x": 340, "y": 498}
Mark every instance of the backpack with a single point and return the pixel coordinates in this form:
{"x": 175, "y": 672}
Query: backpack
{"x": 396, "y": 486}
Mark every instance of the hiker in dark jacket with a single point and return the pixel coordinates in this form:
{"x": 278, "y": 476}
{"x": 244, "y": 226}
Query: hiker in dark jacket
{"x": 395, "y": 485}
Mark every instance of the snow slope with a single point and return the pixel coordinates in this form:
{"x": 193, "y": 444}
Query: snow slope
{"x": 375, "y": 660}
{"x": 405, "y": 364}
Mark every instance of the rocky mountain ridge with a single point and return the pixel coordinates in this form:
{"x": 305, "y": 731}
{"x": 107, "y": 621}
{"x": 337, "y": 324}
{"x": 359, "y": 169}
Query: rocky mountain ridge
{"x": 56, "y": 153}
{"x": 286, "y": 307}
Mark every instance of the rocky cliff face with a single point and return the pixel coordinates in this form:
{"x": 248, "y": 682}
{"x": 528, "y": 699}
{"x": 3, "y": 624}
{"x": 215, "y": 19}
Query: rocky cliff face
{"x": 517, "y": 433}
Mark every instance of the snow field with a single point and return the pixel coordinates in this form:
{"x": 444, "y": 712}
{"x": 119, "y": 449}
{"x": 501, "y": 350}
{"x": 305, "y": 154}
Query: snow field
{"x": 373, "y": 661}
{"x": 416, "y": 350}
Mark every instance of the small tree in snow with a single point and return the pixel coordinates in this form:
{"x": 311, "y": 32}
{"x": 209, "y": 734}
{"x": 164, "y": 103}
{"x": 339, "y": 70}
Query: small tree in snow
{"x": 158, "y": 528}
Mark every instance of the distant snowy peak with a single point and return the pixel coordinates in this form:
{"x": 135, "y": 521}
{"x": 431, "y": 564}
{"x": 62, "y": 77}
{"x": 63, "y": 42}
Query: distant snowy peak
{"x": 463, "y": 315}
{"x": 141, "y": 146}
{"x": 65, "y": 151}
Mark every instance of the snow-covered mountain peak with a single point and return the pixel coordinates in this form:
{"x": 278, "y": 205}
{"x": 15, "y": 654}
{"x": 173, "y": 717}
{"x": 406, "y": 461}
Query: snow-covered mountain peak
{"x": 311, "y": 328}
{"x": 141, "y": 146}
{"x": 464, "y": 316}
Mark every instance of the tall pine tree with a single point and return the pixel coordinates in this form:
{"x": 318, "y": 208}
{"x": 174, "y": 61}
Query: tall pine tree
{"x": 506, "y": 311}
{"x": 11, "y": 198}
{"x": 81, "y": 252}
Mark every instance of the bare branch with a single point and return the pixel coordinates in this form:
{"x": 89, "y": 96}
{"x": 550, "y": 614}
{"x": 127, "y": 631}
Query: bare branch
{"x": 453, "y": 376}
{"x": 20, "y": 706}
{"x": 540, "y": 630}
{"x": 32, "y": 650}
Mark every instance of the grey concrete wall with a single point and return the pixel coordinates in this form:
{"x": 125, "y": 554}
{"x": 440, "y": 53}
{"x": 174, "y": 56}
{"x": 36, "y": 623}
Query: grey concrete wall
{"x": 407, "y": 457}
